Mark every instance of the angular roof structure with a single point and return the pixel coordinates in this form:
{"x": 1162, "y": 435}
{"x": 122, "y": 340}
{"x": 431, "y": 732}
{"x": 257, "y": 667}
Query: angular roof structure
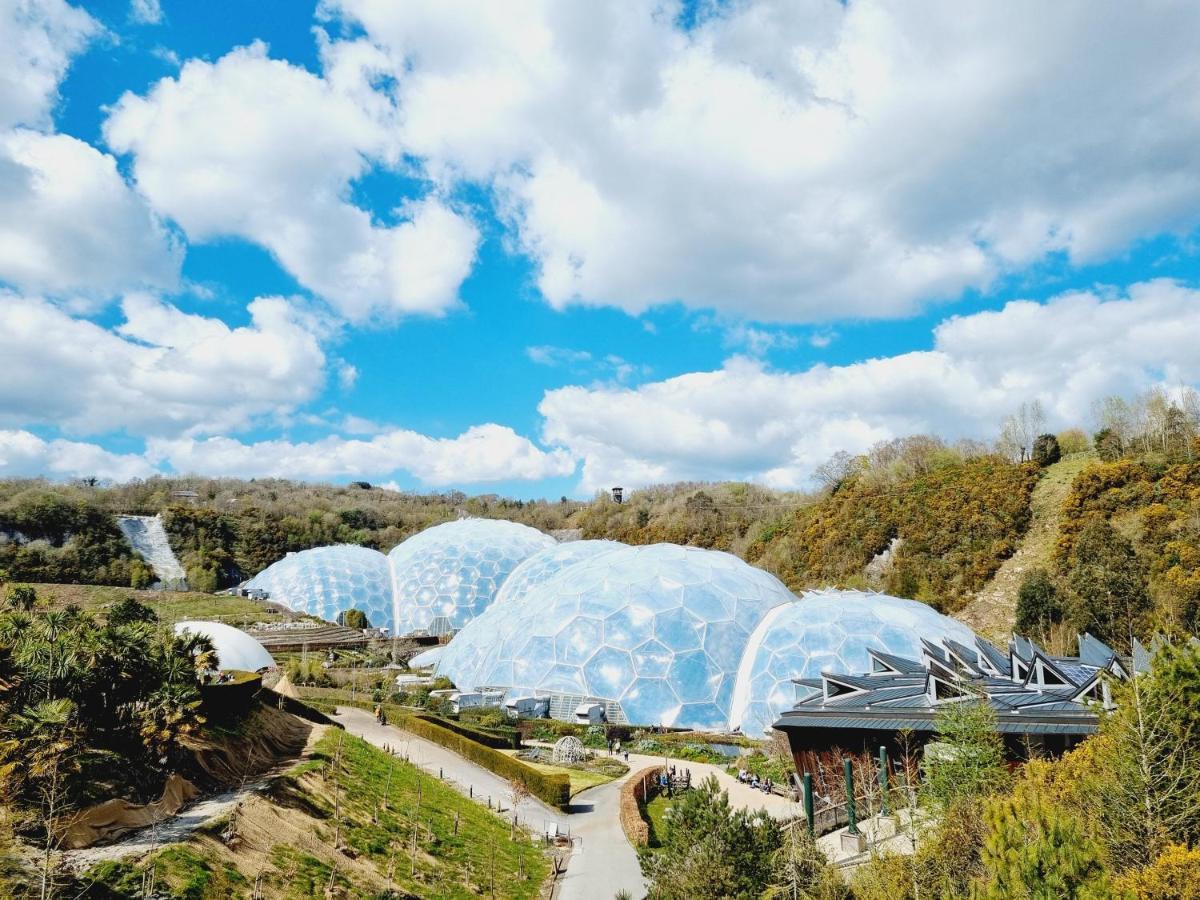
{"x": 1030, "y": 691}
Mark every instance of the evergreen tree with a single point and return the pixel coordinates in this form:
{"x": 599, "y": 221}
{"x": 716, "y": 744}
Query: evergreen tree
{"x": 1032, "y": 850}
{"x": 1109, "y": 583}
{"x": 1038, "y": 603}
{"x": 969, "y": 763}
{"x": 711, "y": 849}
{"x": 1046, "y": 451}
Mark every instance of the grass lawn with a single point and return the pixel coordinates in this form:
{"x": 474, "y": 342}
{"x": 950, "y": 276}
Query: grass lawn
{"x": 655, "y": 812}
{"x": 581, "y": 779}
{"x": 171, "y": 606}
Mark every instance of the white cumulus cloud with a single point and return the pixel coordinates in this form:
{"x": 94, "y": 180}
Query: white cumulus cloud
{"x": 747, "y": 421}
{"x": 25, "y": 455}
{"x": 162, "y": 371}
{"x": 261, "y": 149}
{"x": 800, "y": 161}
{"x": 39, "y": 39}
{"x": 482, "y": 453}
{"x": 70, "y": 225}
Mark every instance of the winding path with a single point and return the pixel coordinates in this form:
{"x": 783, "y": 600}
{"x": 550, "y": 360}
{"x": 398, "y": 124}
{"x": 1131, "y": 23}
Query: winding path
{"x": 602, "y": 861}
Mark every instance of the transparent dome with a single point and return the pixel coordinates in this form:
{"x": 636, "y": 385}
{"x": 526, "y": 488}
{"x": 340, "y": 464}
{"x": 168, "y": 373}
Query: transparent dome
{"x": 475, "y": 648}
{"x": 326, "y": 581}
{"x": 659, "y": 630}
{"x": 828, "y": 631}
{"x": 445, "y": 576}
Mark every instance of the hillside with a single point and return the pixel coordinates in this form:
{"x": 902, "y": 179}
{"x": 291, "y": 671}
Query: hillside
{"x": 955, "y": 526}
{"x": 992, "y": 610}
{"x": 352, "y": 821}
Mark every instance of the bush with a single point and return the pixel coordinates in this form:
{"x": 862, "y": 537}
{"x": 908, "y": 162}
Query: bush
{"x": 509, "y": 739}
{"x": 1073, "y": 440}
{"x": 634, "y": 792}
{"x": 1038, "y": 603}
{"x": 1046, "y": 451}
{"x": 552, "y": 789}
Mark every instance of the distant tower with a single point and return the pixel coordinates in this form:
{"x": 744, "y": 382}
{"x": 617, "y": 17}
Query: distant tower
{"x": 618, "y": 494}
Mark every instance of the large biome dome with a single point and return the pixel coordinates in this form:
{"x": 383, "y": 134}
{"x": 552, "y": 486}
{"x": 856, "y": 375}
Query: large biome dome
{"x": 447, "y": 575}
{"x": 475, "y": 648}
{"x": 828, "y": 631}
{"x": 658, "y": 632}
{"x": 328, "y": 581}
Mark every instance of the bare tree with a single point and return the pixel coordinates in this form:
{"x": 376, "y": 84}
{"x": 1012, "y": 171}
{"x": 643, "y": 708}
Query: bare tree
{"x": 1019, "y": 430}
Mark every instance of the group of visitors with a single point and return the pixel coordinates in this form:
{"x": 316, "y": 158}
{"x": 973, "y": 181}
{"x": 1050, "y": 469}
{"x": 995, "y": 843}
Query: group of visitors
{"x": 615, "y": 747}
{"x": 669, "y": 780}
{"x": 747, "y": 777}
{"x": 380, "y": 715}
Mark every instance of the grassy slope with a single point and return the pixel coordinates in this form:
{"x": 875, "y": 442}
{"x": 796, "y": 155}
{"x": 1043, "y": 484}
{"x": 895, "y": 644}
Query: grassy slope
{"x": 171, "y": 606}
{"x": 992, "y": 611}
{"x": 287, "y": 838}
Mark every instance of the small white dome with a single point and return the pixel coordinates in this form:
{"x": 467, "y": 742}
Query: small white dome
{"x": 235, "y": 649}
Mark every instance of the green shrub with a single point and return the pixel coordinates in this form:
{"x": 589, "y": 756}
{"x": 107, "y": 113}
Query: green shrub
{"x": 507, "y": 739}
{"x": 1046, "y": 450}
{"x": 552, "y": 789}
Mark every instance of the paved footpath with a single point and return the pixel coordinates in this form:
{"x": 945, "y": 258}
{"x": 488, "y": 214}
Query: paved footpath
{"x": 602, "y": 861}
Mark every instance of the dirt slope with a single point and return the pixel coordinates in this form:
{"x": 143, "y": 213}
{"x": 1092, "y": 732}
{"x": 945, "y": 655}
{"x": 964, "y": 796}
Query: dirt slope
{"x": 992, "y": 611}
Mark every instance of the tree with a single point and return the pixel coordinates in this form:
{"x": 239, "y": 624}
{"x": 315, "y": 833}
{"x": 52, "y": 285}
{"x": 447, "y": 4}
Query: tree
{"x": 800, "y": 871}
{"x": 968, "y": 763}
{"x": 355, "y": 618}
{"x": 1149, "y": 763}
{"x": 1018, "y": 431}
{"x": 1109, "y": 446}
{"x": 1109, "y": 583}
{"x": 1038, "y": 603}
{"x": 1073, "y": 440}
{"x": 1046, "y": 451}
{"x": 711, "y": 850}
{"x": 1033, "y": 850}
{"x": 127, "y": 610}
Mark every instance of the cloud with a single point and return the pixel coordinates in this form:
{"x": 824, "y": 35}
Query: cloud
{"x": 25, "y": 455}
{"x": 610, "y": 366}
{"x": 161, "y": 371}
{"x": 483, "y": 453}
{"x": 39, "y": 38}
{"x": 758, "y": 341}
{"x": 261, "y": 149}
{"x": 146, "y": 12}
{"x": 745, "y": 421}
{"x": 799, "y": 161}
{"x": 70, "y": 225}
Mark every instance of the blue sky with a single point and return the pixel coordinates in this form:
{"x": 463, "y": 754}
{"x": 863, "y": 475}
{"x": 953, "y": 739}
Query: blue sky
{"x": 543, "y": 249}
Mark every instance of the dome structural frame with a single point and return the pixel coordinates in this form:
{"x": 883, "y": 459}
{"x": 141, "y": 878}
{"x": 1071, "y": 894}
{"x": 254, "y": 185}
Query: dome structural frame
{"x": 328, "y": 581}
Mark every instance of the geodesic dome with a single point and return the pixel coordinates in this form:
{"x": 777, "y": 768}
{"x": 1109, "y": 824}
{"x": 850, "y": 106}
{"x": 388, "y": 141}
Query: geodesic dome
{"x": 569, "y": 749}
{"x": 451, "y": 572}
{"x": 659, "y": 630}
{"x": 828, "y": 630}
{"x": 475, "y": 647}
{"x": 326, "y": 581}
{"x": 235, "y": 649}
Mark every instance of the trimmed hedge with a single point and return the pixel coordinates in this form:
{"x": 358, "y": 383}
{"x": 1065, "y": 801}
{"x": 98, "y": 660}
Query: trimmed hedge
{"x": 494, "y": 738}
{"x": 633, "y": 795}
{"x": 552, "y": 789}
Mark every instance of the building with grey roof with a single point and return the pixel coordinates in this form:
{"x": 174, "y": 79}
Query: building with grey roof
{"x": 1043, "y": 703}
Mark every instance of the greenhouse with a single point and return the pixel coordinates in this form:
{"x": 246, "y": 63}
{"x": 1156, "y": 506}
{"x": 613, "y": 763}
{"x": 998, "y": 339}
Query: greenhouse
{"x": 446, "y": 575}
{"x": 328, "y": 581}
{"x": 674, "y": 636}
